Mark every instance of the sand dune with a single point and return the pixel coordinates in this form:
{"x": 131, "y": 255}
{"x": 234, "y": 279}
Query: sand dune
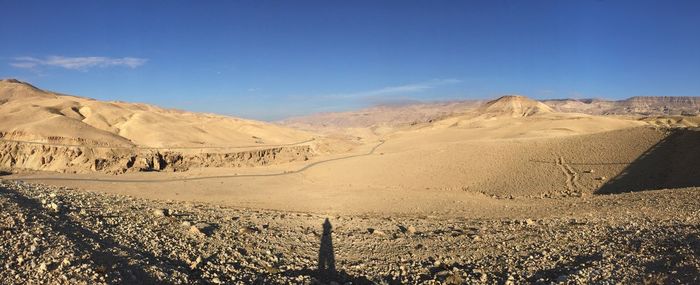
{"x": 28, "y": 113}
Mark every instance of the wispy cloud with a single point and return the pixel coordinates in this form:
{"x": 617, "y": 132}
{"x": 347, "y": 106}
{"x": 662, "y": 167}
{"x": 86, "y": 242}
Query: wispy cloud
{"x": 77, "y": 63}
{"x": 397, "y": 90}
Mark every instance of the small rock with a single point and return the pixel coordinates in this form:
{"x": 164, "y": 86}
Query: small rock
{"x": 248, "y": 230}
{"x": 454, "y": 279}
{"x": 375, "y": 231}
{"x": 483, "y": 278}
{"x": 196, "y": 262}
{"x": 54, "y": 207}
{"x": 42, "y": 267}
{"x": 203, "y": 229}
{"x": 195, "y": 231}
{"x": 161, "y": 212}
{"x": 510, "y": 281}
{"x": 411, "y": 230}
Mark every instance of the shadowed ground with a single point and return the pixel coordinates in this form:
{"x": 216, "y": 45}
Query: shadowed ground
{"x": 674, "y": 162}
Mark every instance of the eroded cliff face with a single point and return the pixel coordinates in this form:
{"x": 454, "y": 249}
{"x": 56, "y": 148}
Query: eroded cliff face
{"x": 80, "y": 159}
{"x": 654, "y": 105}
{"x": 683, "y": 101}
{"x": 639, "y": 105}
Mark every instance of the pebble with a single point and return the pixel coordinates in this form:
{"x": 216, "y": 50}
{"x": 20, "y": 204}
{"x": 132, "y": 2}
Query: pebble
{"x": 259, "y": 243}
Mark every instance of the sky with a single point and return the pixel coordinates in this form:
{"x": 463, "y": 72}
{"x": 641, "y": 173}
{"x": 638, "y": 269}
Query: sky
{"x": 269, "y": 60}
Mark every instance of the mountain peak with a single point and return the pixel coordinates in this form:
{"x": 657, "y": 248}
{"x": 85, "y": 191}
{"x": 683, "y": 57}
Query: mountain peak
{"x": 515, "y": 106}
{"x": 15, "y": 81}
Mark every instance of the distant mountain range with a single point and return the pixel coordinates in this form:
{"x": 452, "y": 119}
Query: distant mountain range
{"x": 395, "y": 115}
{"x": 639, "y": 105}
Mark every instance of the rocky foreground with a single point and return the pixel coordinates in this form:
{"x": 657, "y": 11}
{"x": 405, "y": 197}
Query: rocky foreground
{"x": 60, "y": 236}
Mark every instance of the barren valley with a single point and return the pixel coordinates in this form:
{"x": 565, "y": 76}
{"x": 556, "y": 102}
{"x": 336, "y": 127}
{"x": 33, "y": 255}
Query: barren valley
{"x": 506, "y": 191}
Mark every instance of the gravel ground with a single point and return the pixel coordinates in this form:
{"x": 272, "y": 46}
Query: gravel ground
{"x": 54, "y": 235}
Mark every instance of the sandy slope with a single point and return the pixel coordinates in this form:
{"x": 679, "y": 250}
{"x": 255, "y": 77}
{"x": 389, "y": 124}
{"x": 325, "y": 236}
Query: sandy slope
{"x": 461, "y": 163}
{"x": 510, "y": 193}
{"x": 28, "y": 113}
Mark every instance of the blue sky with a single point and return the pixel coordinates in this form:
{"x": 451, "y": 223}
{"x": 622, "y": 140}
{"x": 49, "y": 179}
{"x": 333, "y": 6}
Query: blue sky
{"x": 272, "y": 59}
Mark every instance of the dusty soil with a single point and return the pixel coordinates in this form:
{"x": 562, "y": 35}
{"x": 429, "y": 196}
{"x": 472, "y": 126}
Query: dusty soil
{"x": 53, "y": 235}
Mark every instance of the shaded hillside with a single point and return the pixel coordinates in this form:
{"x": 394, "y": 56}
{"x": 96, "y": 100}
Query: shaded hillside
{"x": 674, "y": 162}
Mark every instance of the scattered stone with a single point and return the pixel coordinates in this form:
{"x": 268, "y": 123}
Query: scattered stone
{"x": 248, "y": 230}
{"x": 42, "y": 267}
{"x": 196, "y": 262}
{"x": 375, "y": 232}
{"x": 632, "y": 231}
{"x": 411, "y": 230}
{"x": 161, "y": 212}
{"x": 54, "y": 207}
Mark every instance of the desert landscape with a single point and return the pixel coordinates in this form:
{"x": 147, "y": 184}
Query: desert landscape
{"x": 504, "y": 191}
{"x": 382, "y": 142}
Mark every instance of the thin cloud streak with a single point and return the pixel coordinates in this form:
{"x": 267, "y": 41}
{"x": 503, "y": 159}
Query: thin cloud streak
{"x": 77, "y": 63}
{"x": 395, "y": 90}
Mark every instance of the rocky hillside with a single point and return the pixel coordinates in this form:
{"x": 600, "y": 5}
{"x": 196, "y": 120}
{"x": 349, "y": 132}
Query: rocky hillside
{"x": 82, "y": 159}
{"x": 41, "y": 130}
{"x": 514, "y": 106}
{"x": 640, "y": 105}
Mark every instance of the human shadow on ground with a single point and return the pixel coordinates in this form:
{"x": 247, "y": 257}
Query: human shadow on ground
{"x": 326, "y": 257}
{"x": 673, "y": 162}
{"x": 326, "y": 271}
{"x": 118, "y": 269}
